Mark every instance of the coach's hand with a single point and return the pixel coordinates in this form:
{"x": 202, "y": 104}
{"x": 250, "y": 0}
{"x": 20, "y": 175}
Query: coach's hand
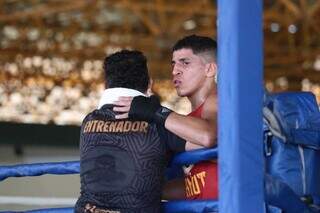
{"x": 142, "y": 108}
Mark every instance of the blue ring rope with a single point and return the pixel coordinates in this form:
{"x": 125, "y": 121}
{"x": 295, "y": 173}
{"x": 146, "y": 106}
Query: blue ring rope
{"x": 202, "y": 206}
{"x": 56, "y": 210}
{"x": 73, "y": 167}
{"x": 36, "y": 169}
{"x": 195, "y": 156}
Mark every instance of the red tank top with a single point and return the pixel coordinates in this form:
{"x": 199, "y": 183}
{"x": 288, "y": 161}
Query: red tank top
{"x": 202, "y": 180}
{"x": 197, "y": 112}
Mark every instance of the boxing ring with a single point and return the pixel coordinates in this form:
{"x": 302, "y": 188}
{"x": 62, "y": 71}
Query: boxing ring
{"x": 73, "y": 167}
{"x": 240, "y": 99}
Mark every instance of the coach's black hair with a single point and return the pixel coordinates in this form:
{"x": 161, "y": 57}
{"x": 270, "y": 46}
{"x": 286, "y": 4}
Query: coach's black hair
{"x": 128, "y": 69}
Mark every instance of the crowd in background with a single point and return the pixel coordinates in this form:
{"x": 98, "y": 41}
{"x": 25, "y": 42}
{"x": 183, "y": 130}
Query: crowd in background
{"x": 58, "y": 91}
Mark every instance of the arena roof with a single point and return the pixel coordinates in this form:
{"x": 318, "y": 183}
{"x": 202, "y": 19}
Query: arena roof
{"x": 90, "y": 29}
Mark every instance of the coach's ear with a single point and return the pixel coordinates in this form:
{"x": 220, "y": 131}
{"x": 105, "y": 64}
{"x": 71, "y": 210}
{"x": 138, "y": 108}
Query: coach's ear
{"x": 211, "y": 70}
{"x": 149, "y": 90}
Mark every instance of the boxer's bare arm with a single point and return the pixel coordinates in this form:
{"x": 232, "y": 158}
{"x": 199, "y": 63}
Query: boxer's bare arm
{"x": 199, "y": 132}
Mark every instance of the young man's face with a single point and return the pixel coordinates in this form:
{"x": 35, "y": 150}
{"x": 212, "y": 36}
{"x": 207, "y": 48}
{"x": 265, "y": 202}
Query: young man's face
{"x": 188, "y": 72}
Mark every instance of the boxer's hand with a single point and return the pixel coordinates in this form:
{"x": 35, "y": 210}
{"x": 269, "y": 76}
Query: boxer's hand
{"x": 123, "y": 107}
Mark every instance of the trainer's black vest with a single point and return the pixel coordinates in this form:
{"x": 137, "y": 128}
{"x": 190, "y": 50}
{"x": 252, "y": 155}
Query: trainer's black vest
{"x": 122, "y": 162}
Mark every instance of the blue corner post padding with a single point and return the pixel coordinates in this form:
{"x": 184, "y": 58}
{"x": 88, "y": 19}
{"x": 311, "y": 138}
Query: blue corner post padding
{"x": 240, "y": 80}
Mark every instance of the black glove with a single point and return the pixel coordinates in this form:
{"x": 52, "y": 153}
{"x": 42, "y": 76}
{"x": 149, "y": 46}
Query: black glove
{"x": 148, "y": 109}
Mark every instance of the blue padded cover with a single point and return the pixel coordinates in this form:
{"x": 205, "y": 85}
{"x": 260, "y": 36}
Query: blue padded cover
{"x": 296, "y": 159}
{"x": 299, "y": 116}
{"x": 280, "y": 195}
